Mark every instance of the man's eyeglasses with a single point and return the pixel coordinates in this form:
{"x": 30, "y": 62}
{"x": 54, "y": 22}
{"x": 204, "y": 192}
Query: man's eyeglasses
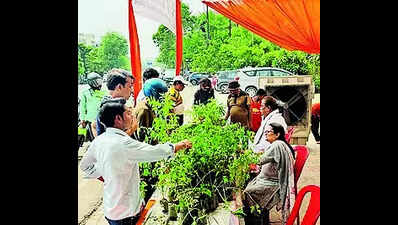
{"x": 268, "y": 131}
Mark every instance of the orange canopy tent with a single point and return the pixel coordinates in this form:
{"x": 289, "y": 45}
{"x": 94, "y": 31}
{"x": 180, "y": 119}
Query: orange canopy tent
{"x": 291, "y": 24}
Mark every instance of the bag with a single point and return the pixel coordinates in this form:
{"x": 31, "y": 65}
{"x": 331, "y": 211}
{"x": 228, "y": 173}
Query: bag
{"x": 179, "y": 109}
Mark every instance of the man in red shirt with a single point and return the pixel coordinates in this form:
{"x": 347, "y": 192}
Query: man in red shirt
{"x": 315, "y": 121}
{"x": 255, "y": 110}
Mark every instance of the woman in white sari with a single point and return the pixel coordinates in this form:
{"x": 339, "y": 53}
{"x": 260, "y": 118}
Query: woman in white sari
{"x": 274, "y": 185}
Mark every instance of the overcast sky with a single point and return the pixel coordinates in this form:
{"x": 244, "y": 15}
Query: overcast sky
{"x": 100, "y": 16}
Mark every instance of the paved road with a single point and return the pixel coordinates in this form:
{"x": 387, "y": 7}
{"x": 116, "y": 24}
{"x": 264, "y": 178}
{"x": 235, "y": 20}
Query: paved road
{"x": 90, "y": 208}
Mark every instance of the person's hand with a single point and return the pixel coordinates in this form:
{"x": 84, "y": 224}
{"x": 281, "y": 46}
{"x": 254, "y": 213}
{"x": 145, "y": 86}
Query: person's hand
{"x": 252, "y": 166}
{"x": 188, "y": 144}
{"x": 133, "y": 126}
{"x": 185, "y": 144}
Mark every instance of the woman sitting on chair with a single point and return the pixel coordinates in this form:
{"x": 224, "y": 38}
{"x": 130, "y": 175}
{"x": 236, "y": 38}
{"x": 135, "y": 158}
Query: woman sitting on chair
{"x": 274, "y": 185}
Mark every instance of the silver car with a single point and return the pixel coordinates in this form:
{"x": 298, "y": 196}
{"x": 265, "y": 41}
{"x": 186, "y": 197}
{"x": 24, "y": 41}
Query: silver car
{"x": 249, "y": 77}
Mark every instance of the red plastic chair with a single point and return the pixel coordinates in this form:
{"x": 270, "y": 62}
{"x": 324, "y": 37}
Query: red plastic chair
{"x": 302, "y": 154}
{"x": 289, "y": 133}
{"x": 314, "y": 207}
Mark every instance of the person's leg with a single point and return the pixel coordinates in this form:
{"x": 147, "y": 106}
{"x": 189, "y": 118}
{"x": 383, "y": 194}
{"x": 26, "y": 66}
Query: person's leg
{"x": 90, "y": 135}
{"x": 94, "y": 129}
{"x": 180, "y": 119}
{"x": 315, "y": 128}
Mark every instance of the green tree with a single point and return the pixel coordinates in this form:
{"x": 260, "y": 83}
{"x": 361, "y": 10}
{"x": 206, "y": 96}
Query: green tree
{"x": 225, "y": 52}
{"x": 96, "y": 62}
{"x": 113, "y": 51}
{"x": 80, "y": 65}
{"x": 83, "y": 52}
{"x": 293, "y": 61}
{"x": 314, "y": 69}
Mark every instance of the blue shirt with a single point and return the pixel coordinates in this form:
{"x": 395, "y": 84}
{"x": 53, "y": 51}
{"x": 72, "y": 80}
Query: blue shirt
{"x": 154, "y": 87}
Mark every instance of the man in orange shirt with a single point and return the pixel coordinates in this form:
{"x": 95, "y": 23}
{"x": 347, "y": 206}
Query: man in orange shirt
{"x": 255, "y": 121}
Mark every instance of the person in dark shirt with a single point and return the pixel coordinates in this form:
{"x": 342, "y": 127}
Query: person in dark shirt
{"x": 205, "y": 93}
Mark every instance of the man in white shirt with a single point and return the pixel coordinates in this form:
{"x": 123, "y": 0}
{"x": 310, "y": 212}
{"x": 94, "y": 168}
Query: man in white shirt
{"x": 270, "y": 114}
{"x": 114, "y": 156}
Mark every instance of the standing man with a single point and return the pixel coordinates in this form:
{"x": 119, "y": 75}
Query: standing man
{"x": 148, "y": 74}
{"x": 119, "y": 86}
{"x": 205, "y": 92}
{"x": 130, "y": 81}
{"x": 153, "y": 88}
{"x": 315, "y": 121}
{"x": 90, "y": 102}
{"x": 238, "y": 104}
{"x": 174, "y": 93}
{"x": 214, "y": 81}
{"x": 114, "y": 155}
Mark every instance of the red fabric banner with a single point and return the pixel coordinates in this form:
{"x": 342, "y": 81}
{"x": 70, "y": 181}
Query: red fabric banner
{"x": 291, "y": 24}
{"x": 134, "y": 52}
{"x": 178, "y": 37}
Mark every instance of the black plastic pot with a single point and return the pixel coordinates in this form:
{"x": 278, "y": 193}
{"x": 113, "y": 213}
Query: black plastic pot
{"x": 172, "y": 212}
{"x": 165, "y": 205}
{"x": 255, "y": 218}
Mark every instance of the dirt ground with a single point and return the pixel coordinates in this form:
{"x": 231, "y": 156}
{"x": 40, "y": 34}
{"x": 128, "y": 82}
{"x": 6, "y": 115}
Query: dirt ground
{"x": 90, "y": 208}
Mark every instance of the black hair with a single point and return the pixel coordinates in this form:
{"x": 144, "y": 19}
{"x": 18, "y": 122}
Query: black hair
{"x": 270, "y": 102}
{"x": 114, "y": 100}
{"x": 278, "y": 129}
{"x": 150, "y": 73}
{"x": 114, "y": 79}
{"x": 261, "y": 92}
{"x": 109, "y": 111}
{"x": 122, "y": 72}
{"x": 178, "y": 82}
{"x": 233, "y": 84}
{"x": 205, "y": 81}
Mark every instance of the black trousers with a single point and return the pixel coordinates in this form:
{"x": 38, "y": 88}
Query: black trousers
{"x": 315, "y": 121}
{"x": 126, "y": 221}
{"x": 180, "y": 119}
{"x": 254, "y": 218}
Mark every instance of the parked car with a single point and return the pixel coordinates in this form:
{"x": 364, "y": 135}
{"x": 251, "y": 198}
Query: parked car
{"x": 224, "y": 77}
{"x": 249, "y": 77}
{"x": 186, "y": 74}
{"x": 168, "y": 76}
{"x": 195, "y": 77}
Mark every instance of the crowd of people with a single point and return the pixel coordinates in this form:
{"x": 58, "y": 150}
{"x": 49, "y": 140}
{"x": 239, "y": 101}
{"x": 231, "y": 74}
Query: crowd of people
{"x": 117, "y": 144}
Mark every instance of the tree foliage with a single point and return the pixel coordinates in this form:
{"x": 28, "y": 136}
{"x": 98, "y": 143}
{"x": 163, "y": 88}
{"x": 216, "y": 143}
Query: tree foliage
{"x": 228, "y": 47}
{"x": 112, "y": 52}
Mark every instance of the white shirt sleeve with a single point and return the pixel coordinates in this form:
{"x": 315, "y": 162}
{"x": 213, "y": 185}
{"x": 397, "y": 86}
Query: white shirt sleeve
{"x": 143, "y": 152}
{"x": 88, "y": 164}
